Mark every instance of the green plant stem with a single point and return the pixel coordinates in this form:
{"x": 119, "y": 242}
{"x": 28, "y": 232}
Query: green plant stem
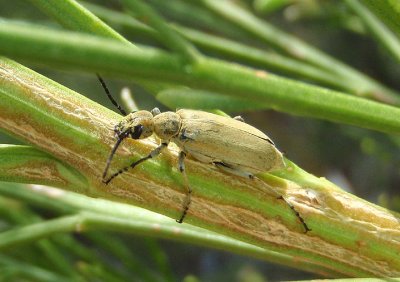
{"x": 377, "y": 28}
{"x": 62, "y": 49}
{"x": 132, "y": 262}
{"x": 160, "y": 259}
{"x": 186, "y": 98}
{"x": 23, "y": 216}
{"x": 301, "y": 50}
{"x": 257, "y": 57}
{"x": 169, "y": 36}
{"x": 188, "y": 13}
{"x": 19, "y": 214}
{"x": 74, "y": 16}
{"x": 388, "y": 11}
{"x": 270, "y": 6}
{"x": 25, "y": 164}
{"x": 149, "y": 222}
{"x": 15, "y": 268}
{"x": 240, "y": 52}
{"x": 80, "y": 133}
{"x": 229, "y": 49}
{"x": 39, "y": 230}
{"x": 128, "y": 219}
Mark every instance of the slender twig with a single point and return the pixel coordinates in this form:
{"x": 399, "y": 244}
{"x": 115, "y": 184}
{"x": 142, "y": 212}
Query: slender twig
{"x": 169, "y": 36}
{"x": 300, "y": 50}
{"x": 231, "y": 49}
{"x": 74, "y": 16}
{"x": 17, "y": 268}
{"x": 25, "y": 164}
{"x": 96, "y": 219}
{"x": 383, "y": 35}
{"x": 85, "y": 52}
{"x": 388, "y": 11}
{"x": 35, "y": 231}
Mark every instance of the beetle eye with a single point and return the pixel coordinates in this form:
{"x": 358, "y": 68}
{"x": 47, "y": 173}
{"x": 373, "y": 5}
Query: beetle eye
{"x": 137, "y": 131}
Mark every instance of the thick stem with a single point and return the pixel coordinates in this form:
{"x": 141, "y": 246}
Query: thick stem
{"x": 64, "y": 49}
{"x": 349, "y": 235}
{"x": 25, "y": 164}
{"x": 299, "y": 49}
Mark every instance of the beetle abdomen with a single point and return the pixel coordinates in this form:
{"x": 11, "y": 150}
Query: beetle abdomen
{"x": 212, "y": 138}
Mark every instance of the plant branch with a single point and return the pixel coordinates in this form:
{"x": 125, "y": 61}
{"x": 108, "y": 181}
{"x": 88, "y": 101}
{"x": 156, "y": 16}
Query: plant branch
{"x": 383, "y": 35}
{"x": 187, "y": 98}
{"x": 349, "y": 235}
{"x": 62, "y": 49}
{"x": 301, "y": 50}
{"x": 230, "y": 49}
{"x": 72, "y": 15}
{"x": 25, "y": 164}
{"x": 388, "y": 11}
{"x": 10, "y": 267}
{"x": 169, "y": 36}
{"x": 138, "y": 221}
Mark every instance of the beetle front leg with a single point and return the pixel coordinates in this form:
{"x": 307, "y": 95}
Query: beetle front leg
{"x": 239, "y": 118}
{"x": 188, "y": 198}
{"x": 152, "y": 154}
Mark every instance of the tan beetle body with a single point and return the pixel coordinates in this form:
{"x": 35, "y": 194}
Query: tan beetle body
{"x": 228, "y": 143}
{"x": 212, "y": 138}
{"x": 231, "y": 144}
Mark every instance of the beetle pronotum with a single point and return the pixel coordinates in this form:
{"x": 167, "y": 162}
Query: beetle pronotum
{"x": 229, "y": 143}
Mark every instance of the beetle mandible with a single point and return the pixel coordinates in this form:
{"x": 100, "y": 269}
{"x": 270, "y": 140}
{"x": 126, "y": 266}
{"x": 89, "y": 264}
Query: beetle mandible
{"x": 229, "y": 143}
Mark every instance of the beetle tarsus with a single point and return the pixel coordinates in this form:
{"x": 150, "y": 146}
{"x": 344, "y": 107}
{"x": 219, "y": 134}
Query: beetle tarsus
{"x": 152, "y": 154}
{"x": 186, "y": 205}
{"x": 306, "y": 228}
{"x": 188, "y": 198}
{"x": 114, "y": 149}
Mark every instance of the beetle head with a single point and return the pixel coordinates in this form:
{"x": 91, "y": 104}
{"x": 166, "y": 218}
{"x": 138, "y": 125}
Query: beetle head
{"x": 137, "y": 125}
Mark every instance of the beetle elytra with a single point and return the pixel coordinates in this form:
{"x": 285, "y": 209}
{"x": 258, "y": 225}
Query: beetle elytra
{"x": 229, "y": 143}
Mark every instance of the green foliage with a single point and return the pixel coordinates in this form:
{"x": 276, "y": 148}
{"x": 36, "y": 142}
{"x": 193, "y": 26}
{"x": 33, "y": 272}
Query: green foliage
{"x": 211, "y": 55}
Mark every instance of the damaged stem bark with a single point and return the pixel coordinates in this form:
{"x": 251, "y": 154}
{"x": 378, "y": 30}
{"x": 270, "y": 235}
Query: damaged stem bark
{"x": 349, "y": 235}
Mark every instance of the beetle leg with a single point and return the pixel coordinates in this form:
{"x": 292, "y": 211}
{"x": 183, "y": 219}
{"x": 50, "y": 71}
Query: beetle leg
{"x": 155, "y": 111}
{"x": 306, "y": 228}
{"x": 239, "y": 118}
{"x": 281, "y": 197}
{"x": 231, "y": 170}
{"x": 188, "y": 198}
{"x": 152, "y": 154}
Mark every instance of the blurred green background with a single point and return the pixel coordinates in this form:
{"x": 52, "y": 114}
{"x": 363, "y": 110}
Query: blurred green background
{"x": 364, "y": 162}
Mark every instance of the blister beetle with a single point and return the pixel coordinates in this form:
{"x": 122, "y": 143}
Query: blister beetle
{"x": 229, "y": 143}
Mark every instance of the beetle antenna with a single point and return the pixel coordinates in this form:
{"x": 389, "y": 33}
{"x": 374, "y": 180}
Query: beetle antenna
{"x": 109, "y": 95}
{"x": 114, "y": 149}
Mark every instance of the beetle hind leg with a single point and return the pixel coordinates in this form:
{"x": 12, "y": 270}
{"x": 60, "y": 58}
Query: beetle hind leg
{"x": 229, "y": 169}
{"x": 188, "y": 199}
{"x": 299, "y": 217}
{"x": 232, "y": 170}
{"x": 306, "y": 228}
